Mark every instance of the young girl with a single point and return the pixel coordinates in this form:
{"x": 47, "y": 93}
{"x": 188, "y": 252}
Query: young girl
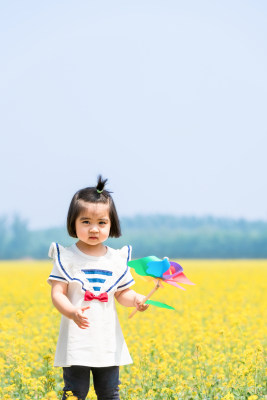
{"x": 86, "y": 279}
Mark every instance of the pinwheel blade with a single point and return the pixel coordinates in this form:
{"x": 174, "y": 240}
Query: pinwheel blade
{"x": 140, "y": 265}
{"x": 157, "y": 268}
{"x": 168, "y": 271}
{"x": 159, "y": 304}
{"x": 174, "y": 269}
{"x": 171, "y": 282}
{"x": 181, "y": 278}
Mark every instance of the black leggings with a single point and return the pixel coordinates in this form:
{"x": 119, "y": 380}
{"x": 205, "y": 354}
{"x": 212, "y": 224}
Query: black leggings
{"x": 106, "y": 381}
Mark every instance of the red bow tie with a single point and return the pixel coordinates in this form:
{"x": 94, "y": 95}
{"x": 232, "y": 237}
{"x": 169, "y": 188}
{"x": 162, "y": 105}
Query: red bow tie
{"x": 88, "y": 296}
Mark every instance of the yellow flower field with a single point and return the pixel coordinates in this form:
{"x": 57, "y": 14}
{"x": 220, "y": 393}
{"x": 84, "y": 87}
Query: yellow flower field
{"x": 210, "y": 347}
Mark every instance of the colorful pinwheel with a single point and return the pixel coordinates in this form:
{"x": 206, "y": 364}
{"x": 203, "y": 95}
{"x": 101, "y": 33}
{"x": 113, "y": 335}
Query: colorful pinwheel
{"x": 163, "y": 271}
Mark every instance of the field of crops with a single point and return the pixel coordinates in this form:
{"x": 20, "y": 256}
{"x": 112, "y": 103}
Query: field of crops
{"x": 210, "y": 347}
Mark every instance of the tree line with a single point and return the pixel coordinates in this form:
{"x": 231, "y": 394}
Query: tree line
{"x": 159, "y": 235}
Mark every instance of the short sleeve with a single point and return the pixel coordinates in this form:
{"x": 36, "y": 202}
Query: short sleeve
{"x": 57, "y": 274}
{"x": 127, "y": 279}
{"x": 126, "y": 282}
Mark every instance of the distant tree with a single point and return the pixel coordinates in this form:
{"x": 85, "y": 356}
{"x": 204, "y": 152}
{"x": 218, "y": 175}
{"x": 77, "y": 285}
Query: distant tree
{"x": 18, "y": 245}
{"x": 3, "y": 237}
{"x": 159, "y": 235}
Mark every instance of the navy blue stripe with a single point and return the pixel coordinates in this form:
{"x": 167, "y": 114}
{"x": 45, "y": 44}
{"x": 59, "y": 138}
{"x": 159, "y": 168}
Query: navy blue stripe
{"x": 96, "y": 288}
{"x": 97, "y": 271}
{"x": 120, "y": 278}
{"x": 65, "y": 272}
{"x": 126, "y": 284}
{"x": 96, "y": 280}
{"x": 58, "y": 277}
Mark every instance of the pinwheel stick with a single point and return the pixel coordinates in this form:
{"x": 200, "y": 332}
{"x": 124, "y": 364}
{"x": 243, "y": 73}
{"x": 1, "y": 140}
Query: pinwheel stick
{"x": 146, "y": 298}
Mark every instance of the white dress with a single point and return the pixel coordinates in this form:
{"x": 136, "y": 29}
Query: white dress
{"x": 102, "y": 344}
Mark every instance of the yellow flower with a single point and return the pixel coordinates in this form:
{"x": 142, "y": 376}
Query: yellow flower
{"x": 204, "y": 344}
{"x": 229, "y": 396}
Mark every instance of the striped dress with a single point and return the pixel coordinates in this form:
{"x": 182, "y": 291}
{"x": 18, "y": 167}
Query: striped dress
{"x": 102, "y": 344}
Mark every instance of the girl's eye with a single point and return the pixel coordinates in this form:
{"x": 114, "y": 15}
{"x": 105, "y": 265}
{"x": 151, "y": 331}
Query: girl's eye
{"x": 85, "y": 222}
{"x": 102, "y": 223}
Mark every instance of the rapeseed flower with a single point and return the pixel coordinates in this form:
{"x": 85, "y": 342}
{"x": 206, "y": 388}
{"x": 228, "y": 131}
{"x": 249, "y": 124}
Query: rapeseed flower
{"x": 211, "y": 347}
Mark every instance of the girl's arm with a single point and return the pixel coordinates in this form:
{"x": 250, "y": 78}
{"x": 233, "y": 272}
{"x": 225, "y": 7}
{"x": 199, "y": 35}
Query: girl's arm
{"x": 64, "y": 306}
{"x": 129, "y": 298}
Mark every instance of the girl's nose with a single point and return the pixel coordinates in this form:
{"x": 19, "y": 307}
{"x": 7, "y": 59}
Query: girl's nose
{"x": 94, "y": 229}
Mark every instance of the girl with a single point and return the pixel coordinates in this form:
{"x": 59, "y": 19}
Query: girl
{"x": 86, "y": 279}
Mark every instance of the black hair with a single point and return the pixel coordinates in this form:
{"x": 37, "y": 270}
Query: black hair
{"x": 96, "y": 194}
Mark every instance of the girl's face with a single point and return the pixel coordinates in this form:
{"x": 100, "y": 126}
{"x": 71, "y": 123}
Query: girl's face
{"x": 93, "y": 224}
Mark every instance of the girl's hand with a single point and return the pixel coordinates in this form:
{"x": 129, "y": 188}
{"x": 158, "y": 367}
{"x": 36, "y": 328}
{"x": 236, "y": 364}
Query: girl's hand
{"x": 138, "y": 302}
{"x": 79, "y": 318}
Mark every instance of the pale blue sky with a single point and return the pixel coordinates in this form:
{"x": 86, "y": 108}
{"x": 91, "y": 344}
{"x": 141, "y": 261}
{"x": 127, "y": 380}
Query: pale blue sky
{"x": 165, "y": 98}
